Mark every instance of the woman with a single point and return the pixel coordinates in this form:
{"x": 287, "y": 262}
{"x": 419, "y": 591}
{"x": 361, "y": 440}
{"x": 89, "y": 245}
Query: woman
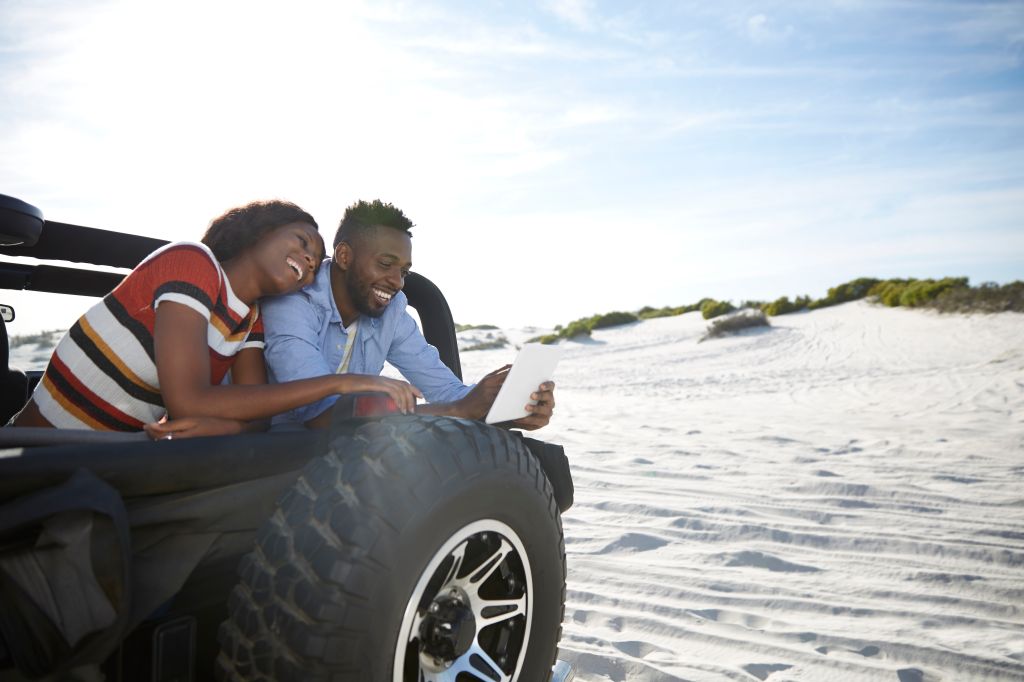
{"x": 159, "y": 346}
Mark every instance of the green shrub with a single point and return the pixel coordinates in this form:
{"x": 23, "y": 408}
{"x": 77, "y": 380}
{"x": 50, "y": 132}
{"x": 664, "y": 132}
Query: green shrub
{"x": 783, "y": 306}
{"x": 987, "y": 297}
{"x": 697, "y": 307}
{"x": 649, "y": 313}
{"x": 730, "y": 324}
{"x": 613, "y": 319}
{"x": 913, "y": 293}
{"x": 850, "y": 291}
{"x": 546, "y": 339}
{"x": 889, "y": 291}
{"x": 576, "y": 328}
{"x": 712, "y": 308}
{"x": 466, "y": 327}
{"x": 925, "y": 291}
{"x": 499, "y": 342}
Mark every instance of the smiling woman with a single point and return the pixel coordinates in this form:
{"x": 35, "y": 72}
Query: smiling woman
{"x": 161, "y": 344}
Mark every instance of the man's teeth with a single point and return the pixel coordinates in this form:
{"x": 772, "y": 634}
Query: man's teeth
{"x": 295, "y": 266}
{"x": 383, "y": 295}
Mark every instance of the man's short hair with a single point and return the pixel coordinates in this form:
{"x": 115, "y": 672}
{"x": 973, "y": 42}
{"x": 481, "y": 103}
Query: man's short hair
{"x": 363, "y": 216}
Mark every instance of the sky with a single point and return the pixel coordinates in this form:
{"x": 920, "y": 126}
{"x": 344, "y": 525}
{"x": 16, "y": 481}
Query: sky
{"x": 559, "y": 158}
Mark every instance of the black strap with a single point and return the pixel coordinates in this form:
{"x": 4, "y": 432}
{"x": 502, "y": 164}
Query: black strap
{"x": 556, "y": 467}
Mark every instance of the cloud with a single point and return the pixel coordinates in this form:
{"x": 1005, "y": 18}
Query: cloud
{"x": 991, "y": 24}
{"x": 763, "y": 31}
{"x": 592, "y": 114}
{"x": 323, "y": 111}
{"x": 612, "y": 157}
{"x": 578, "y": 13}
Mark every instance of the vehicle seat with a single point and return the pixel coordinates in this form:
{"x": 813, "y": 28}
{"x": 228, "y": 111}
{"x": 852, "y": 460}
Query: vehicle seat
{"x": 13, "y": 382}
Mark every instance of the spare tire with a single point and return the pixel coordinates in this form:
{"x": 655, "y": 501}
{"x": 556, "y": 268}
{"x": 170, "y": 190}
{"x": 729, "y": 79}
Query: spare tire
{"x": 417, "y": 549}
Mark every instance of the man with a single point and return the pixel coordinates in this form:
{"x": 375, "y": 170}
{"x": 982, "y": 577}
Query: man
{"x": 353, "y": 317}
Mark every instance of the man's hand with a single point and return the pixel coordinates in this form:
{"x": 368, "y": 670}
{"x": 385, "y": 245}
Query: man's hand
{"x": 476, "y": 403}
{"x": 540, "y": 414}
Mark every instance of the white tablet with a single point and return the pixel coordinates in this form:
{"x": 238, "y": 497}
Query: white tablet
{"x": 534, "y": 365}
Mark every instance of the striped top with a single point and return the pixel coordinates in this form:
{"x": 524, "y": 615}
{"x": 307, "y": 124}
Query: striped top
{"x": 102, "y": 375}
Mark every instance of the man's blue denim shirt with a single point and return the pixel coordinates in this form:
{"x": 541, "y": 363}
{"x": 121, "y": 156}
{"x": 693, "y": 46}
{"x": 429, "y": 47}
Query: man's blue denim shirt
{"x": 305, "y": 338}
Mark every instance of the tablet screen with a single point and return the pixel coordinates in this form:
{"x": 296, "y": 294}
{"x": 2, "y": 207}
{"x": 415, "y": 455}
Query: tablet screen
{"x": 534, "y": 365}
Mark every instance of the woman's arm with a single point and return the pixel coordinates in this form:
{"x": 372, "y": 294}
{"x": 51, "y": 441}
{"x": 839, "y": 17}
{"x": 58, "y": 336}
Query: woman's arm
{"x": 249, "y": 369}
{"x": 183, "y": 368}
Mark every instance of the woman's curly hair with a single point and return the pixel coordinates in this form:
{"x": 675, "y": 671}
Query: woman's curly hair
{"x": 240, "y": 228}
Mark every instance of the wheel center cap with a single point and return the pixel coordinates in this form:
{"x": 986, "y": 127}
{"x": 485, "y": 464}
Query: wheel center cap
{"x": 448, "y": 630}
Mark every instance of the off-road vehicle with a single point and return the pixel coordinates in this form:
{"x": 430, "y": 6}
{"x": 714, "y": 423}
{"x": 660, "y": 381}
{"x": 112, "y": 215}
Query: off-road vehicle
{"x": 387, "y": 548}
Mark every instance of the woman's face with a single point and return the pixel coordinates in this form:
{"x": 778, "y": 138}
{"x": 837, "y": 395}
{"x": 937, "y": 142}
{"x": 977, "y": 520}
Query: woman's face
{"x": 288, "y": 257}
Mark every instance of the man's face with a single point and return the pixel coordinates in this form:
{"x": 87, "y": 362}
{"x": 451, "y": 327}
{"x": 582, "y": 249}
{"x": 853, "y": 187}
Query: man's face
{"x": 376, "y": 267}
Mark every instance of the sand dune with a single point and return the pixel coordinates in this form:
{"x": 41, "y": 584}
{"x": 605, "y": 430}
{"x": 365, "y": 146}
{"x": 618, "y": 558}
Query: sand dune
{"x": 839, "y": 497}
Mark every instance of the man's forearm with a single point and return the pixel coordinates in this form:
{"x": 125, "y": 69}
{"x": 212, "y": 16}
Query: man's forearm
{"x": 453, "y": 409}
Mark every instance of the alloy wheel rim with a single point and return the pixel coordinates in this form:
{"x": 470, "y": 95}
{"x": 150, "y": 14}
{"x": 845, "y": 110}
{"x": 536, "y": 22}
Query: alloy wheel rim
{"x": 469, "y": 616}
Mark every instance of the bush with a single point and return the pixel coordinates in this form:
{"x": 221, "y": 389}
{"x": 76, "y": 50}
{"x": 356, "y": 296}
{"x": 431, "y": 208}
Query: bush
{"x": 698, "y": 306}
{"x": 584, "y": 325}
{"x": 712, "y": 308}
{"x": 613, "y": 319}
{"x": 546, "y": 339}
{"x": 888, "y": 292}
{"x": 733, "y": 323}
{"x": 988, "y": 297}
{"x": 913, "y": 293}
{"x": 466, "y": 327}
{"x": 925, "y": 291}
{"x": 649, "y": 313}
{"x": 576, "y": 328}
{"x": 850, "y": 291}
{"x": 783, "y": 306}
{"x": 499, "y": 342}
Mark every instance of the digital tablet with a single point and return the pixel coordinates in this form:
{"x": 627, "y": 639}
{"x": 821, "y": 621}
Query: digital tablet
{"x": 534, "y": 365}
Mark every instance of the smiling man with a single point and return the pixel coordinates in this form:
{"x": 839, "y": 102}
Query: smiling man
{"x": 353, "y": 317}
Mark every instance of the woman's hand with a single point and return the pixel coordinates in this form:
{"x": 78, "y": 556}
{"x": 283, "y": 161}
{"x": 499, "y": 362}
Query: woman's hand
{"x": 193, "y": 427}
{"x": 402, "y": 392}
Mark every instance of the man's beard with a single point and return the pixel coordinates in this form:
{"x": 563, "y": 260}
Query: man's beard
{"x": 360, "y": 295}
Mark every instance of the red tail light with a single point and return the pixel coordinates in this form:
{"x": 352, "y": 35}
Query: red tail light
{"x": 374, "y": 405}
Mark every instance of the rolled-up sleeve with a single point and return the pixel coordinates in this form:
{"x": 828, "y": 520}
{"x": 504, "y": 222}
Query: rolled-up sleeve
{"x": 292, "y": 328}
{"x": 420, "y": 363}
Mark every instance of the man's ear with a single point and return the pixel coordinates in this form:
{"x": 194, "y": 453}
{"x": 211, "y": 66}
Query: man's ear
{"x": 343, "y": 255}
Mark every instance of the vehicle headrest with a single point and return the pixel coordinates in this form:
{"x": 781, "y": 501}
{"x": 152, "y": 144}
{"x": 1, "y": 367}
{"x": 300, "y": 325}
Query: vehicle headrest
{"x": 20, "y": 223}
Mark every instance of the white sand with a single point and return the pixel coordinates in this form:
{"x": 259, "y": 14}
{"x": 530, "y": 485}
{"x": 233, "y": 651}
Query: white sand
{"x": 837, "y": 498}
